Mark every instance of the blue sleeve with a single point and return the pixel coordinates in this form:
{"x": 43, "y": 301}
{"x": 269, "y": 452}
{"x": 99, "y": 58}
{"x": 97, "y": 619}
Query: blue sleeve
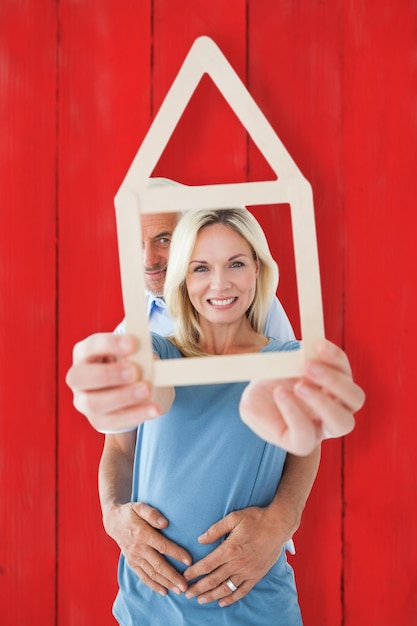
{"x": 164, "y": 348}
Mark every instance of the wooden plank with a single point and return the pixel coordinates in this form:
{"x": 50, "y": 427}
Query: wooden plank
{"x": 381, "y": 275}
{"x": 208, "y": 145}
{"x": 27, "y": 312}
{"x": 104, "y": 112}
{"x": 295, "y": 75}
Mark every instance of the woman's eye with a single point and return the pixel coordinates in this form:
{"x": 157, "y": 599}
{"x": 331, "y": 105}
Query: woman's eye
{"x": 200, "y": 268}
{"x": 237, "y": 264}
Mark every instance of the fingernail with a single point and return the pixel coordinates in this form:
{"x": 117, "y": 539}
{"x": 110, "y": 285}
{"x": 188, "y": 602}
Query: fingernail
{"x": 141, "y": 391}
{"x": 282, "y": 393}
{"x": 177, "y": 590}
{"x": 316, "y": 369}
{"x": 202, "y": 600}
{"x": 128, "y": 374}
{"x": 189, "y": 595}
{"x": 302, "y": 390}
{"x": 125, "y": 344}
{"x": 152, "y": 413}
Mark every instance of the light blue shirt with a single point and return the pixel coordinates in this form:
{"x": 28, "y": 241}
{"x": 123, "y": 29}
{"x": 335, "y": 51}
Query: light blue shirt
{"x": 196, "y": 464}
{"x": 277, "y": 326}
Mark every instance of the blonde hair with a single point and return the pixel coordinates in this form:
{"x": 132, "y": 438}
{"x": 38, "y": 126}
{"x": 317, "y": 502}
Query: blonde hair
{"x": 188, "y": 331}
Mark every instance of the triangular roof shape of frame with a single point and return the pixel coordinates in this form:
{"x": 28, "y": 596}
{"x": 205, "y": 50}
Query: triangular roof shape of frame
{"x": 137, "y": 196}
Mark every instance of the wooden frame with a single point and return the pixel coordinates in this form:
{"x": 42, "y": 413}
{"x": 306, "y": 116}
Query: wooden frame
{"x": 136, "y": 196}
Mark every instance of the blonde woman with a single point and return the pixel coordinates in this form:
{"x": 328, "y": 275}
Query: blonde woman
{"x": 200, "y": 486}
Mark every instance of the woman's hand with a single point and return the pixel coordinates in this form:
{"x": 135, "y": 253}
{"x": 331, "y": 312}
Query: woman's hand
{"x": 107, "y": 387}
{"x": 254, "y": 541}
{"x": 297, "y": 414}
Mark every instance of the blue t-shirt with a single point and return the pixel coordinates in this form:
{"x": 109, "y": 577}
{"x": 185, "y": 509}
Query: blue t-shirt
{"x": 196, "y": 464}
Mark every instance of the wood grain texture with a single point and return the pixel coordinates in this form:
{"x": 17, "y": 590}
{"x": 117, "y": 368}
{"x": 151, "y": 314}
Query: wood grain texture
{"x": 295, "y": 74}
{"x": 380, "y": 554}
{"x": 104, "y": 112}
{"x": 80, "y": 83}
{"x": 208, "y": 144}
{"x": 27, "y": 312}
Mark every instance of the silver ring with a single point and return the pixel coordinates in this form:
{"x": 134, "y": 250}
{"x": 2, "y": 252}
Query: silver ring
{"x": 231, "y": 586}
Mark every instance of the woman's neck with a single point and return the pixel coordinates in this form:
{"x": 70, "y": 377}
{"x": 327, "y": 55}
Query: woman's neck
{"x": 240, "y": 337}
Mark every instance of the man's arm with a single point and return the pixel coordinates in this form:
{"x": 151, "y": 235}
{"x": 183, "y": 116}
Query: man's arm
{"x": 255, "y": 537}
{"x": 115, "y": 474}
{"x": 293, "y": 491}
{"x": 135, "y": 526}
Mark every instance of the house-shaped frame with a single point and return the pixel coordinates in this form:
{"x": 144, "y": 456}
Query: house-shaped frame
{"x": 137, "y": 196}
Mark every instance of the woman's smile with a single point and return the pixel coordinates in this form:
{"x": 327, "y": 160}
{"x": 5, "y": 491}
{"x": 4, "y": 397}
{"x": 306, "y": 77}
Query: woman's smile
{"x": 222, "y": 303}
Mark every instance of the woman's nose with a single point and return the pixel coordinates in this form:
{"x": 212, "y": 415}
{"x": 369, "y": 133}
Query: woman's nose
{"x": 219, "y": 280}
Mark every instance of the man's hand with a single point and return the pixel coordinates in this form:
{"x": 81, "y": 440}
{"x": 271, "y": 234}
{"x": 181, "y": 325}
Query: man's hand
{"x": 136, "y": 526}
{"x": 252, "y": 547}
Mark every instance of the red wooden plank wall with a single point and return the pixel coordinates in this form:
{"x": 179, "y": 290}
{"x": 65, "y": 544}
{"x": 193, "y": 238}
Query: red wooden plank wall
{"x": 103, "y": 112}
{"x": 380, "y": 477}
{"x": 79, "y": 85}
{"x": 28, "y": 319}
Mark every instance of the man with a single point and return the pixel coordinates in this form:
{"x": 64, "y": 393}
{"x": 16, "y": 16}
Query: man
{"x": 101, "y": 367}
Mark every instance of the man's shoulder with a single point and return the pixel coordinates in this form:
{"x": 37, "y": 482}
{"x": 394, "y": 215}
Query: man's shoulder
{"x": 277, "y": 324}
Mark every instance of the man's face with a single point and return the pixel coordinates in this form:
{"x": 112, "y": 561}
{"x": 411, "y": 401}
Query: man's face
{"x": 157, "y": 232}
